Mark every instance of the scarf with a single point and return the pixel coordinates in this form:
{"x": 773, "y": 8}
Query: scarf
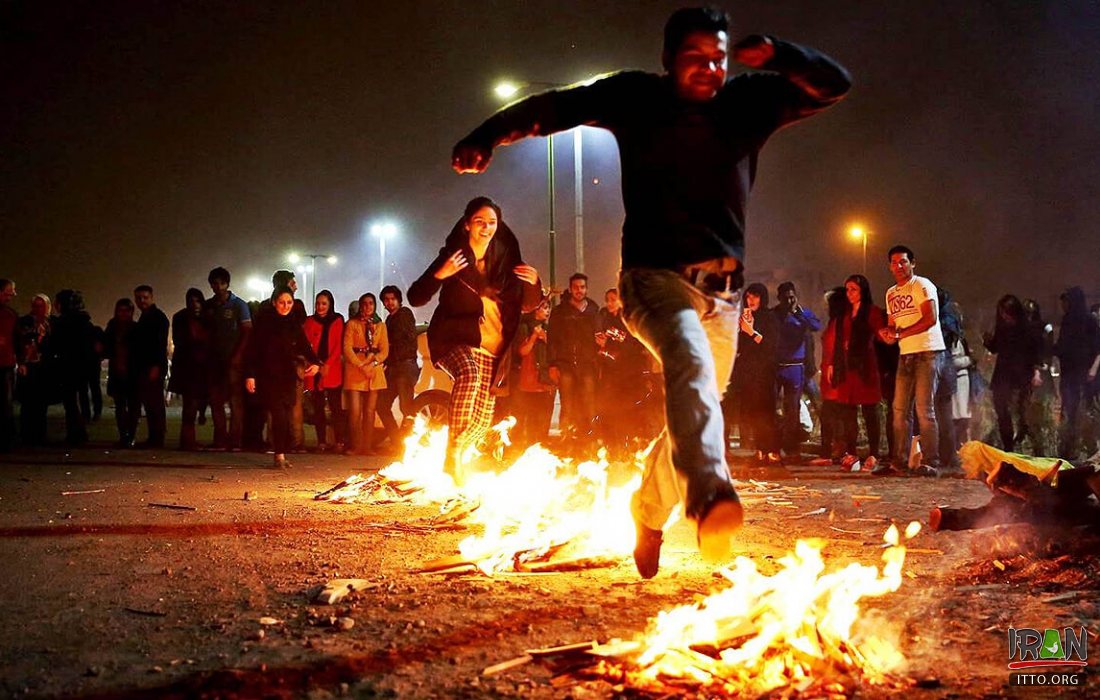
{"x": 326, "y": 323}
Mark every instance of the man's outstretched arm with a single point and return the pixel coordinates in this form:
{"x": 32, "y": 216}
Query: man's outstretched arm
{"x": 811, "y": 81}
{"x": 591, "y": 103}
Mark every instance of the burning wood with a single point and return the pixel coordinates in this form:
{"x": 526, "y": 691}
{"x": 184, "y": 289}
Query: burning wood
{"x": 798, "y": 630}
{"x": 524, "y": 511}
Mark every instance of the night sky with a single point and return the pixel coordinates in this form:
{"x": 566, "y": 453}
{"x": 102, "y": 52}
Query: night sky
{"x": 147, "y": 142}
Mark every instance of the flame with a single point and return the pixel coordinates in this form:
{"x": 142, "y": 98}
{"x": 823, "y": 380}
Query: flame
{"x": 537, "y": 504}
{"x": 793, "y": 628}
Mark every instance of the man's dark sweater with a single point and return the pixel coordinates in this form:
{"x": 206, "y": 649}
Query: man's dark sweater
{"x": 150, "y": 347}
{"x": 401, "y": 334}
{"x": 571, "y": 337}
{"x": 687, "y": 167}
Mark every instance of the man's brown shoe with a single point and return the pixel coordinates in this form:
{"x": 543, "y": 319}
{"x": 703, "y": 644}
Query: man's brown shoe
{"x": 647, "y": 550}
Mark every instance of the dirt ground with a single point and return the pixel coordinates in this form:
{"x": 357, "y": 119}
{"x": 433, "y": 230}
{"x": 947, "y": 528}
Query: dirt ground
{"x": 107, "y": 595}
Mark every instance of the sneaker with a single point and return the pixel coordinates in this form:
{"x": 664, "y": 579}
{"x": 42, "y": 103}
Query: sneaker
{"x": 847, "y": 461}
{"x": 719, "y": 524}
{"x": 870, "y": 463}
{"x": 924, "y": 470}
{"x": 647, "y": 550}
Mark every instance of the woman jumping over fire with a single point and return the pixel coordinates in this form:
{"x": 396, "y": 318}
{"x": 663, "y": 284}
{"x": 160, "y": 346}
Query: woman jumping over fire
{"x": 483, "y": 287}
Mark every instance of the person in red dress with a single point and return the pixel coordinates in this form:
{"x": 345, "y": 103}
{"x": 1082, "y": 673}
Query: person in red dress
{"x": 850, "y": 368}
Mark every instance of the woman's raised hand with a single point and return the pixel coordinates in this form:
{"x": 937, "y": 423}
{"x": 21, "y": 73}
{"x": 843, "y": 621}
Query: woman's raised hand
{"x": 748, "y": 326}
{"x": 451, "y": 266}
{"x": 526, "y": 273}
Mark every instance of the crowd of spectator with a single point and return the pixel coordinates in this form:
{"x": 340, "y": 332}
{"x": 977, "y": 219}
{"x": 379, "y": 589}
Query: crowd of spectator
{"x": 263, "y": 371}
{"x": 911, "y": 363}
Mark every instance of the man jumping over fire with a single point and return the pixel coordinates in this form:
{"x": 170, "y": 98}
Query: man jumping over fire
{"x": 688, "y": 143}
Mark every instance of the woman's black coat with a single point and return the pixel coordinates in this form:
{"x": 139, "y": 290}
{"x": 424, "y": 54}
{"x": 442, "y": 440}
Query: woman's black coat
{"x": 456, "y": 319}
{"x": 275, "y": 349}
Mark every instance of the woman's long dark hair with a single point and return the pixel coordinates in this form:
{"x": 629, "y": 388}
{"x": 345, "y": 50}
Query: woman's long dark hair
{"x": 859, "y": 342}
{"x": 759, "y": 290}
{"x": 477, "y": 204}
{"x": 332, "y": 312}
{"x": 837, "y": 304}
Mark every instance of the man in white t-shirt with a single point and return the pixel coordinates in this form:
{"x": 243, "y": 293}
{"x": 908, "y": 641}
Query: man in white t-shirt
{"x": 913, "y": 308}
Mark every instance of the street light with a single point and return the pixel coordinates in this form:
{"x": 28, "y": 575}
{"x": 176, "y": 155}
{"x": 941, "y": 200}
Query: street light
{"x": 506, "y": 90}
{"x": 293, "y": 259}
{"x": 257, "y": 286}
{"x": 861, "y": 233}
{"x": 382, "y": 231}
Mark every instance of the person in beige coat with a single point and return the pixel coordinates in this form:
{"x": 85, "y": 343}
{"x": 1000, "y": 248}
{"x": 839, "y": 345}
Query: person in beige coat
{"x": 365, "y": 349}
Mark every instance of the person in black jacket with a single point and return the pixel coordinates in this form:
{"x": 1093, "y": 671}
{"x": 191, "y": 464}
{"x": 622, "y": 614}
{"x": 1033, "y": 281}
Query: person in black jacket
{"x": 151, "y": 363}
{"x": 754, "y": 376}
{"x": 190, "y": 363}
{"x": 483, "y": 287}
{"x": 122, "y": 385}
{"x": 36, "y": 385}
{"x": 1077, "y": 348}
{"x": 688, "y": 145}
{"x": 572, "y": 353}
{"x": 74, "y": 345}
{"x": 402, "y": 369}
{"x": 1018, "y": 348}
{"x": 274, "y": 351}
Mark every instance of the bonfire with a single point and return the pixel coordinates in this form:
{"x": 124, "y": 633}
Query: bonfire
{"x": 799, "y": 631}
{"x": 801, "y": 628}
{"x": 536, "y": 507}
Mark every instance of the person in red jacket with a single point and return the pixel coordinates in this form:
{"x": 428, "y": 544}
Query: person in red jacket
{"x": 850, "y": 367}
{"x": 325, "y": 332}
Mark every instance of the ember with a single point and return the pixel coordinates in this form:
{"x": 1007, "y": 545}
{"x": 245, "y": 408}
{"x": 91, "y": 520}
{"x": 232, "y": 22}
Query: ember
{"x": 798, "y": 629}
{"x": 538, "y": 507}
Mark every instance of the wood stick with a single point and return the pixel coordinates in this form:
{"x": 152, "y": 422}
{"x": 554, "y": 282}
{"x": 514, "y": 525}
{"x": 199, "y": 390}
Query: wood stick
{"x": 81, "y": 493}
{"x": 563, "y": 649}
{"x": 445, "y": 563}
{"x": 146, "y": 613}
{"x": 171, "y": 506}
{"x": 1070, "y": 595}
{"x": 577, "y": 564}
{"x": 506, "y": 665}
{"x": 353, "y": 479}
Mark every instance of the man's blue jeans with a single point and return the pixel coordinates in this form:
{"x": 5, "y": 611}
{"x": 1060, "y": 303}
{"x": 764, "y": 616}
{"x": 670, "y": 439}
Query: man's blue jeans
{"x": 916, "y": 381}
{"x": 789, "y": 379}
{"x": 694, "y": 335}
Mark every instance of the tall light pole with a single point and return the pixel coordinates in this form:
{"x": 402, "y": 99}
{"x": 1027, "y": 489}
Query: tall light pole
{"x": 506, "y": 90}
{"x": 382, "y": 231}
{"x": 578, "y": 197}
{"x": 857, "y": 231}
{"x": 293, "y": 258}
